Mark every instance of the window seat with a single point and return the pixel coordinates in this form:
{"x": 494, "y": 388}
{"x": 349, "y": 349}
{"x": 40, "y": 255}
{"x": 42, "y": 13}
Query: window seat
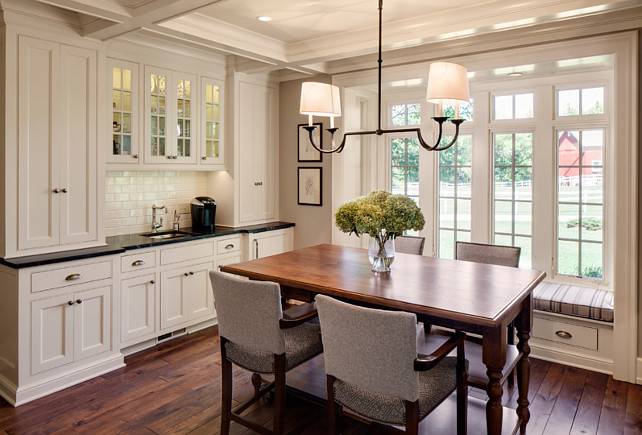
{"x": 573, "y": 300}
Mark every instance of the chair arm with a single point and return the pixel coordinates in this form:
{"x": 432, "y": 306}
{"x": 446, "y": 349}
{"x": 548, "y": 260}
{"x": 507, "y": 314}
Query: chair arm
{"x": 300, "y": 318}
{"x": 427, "y": 362}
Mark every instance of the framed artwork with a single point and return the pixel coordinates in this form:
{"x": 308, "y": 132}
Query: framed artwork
{"x": 306, "y": 152}
{"x": 309, "y": 187}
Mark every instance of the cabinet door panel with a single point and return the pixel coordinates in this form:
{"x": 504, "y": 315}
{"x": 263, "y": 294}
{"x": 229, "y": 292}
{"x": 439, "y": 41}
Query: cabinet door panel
{"x": 122, "y": 108}
{"x": 159, "y": 116}
{"x": 138, "y": 302}
{"x": 38, "y": 171}
{"x": 78, "y": 145}
{"x": 212, "y": 149}
{"x": 92, "y": 325}
{"x": 199, "y": 291}
{"x": 186, "y": 139}
{"x": 173, "y": 299}
{"x": 248, "y": 134}
{"x": 51, "y": 333}
{"x": 264, "y": 155}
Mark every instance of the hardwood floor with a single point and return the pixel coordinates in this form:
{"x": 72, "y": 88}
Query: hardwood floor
{"x": 174, "y": 388}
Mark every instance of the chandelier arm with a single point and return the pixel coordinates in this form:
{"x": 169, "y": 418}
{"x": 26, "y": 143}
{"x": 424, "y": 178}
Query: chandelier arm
{"x": 457, "y": 123}
{"x": 332, "y": 131}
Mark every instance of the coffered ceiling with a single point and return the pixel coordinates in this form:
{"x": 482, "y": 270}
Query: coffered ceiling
{"x": 311, "y": 36}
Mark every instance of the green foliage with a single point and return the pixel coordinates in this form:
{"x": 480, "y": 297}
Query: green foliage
{"x": 379, "y": 210}
{"x": 592, "y": 272}
{"x": 590, "y": 224}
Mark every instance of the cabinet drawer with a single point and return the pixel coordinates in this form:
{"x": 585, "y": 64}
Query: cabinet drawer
{"x": 565, "y": 333}
{"x": 69, "y": 276}
{"x": 230, "y": 244}
{"x": 186, "y": 253}
{"x": 138, "y": 261}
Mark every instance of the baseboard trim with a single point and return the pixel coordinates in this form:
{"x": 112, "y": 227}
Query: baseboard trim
{"x": 580, "y": 361}
{"x": 76, "y": 376}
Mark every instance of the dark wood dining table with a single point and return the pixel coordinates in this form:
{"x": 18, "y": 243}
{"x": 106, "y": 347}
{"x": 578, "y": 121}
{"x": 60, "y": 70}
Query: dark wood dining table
{"x": 472, "y": 297}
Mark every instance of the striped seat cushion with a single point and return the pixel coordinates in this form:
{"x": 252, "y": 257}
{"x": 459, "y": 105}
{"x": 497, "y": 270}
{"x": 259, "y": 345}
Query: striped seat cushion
{"x": 572, "y": 300}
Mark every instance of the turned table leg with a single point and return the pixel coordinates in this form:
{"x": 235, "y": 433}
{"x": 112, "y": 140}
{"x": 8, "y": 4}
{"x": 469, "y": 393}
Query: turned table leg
{"x": 524, "y": 324}
{"x": 494, "y": 357}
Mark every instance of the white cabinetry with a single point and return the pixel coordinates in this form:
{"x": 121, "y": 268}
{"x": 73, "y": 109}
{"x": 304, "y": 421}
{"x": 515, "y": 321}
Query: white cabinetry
{"x": 59, "y": 327}
{"x": 257, "y": 139}
{"x": 56, "y": 174}
{"x": 123, "y": 106}
{"x": 138, "y": 307}
{"x": 170, "y": 112}
{"x": 186, "y": 295}
{"x": 212, "y": 96}
{"x": 268, "y": 243}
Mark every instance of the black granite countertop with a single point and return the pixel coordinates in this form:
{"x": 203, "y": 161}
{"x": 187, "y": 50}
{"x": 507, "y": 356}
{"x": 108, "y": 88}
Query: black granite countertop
{"x": 119, "y": 244}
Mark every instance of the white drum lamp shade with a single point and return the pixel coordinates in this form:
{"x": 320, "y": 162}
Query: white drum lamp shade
{"x": 321, "y": 99}
{"x": 447, "y": 82}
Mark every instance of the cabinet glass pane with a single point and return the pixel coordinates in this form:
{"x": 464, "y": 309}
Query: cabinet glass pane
{"x": 183, "y": 115}
{"x": 157, "y": 114}
{"x": 116, "y": 78}
{"x": 127, "y": 79}
{"x": 127, "y": 101}
{"x": 121, "y": 110}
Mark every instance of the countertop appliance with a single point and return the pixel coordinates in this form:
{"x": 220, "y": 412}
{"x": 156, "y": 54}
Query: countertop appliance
{"x": 203, "y": 213}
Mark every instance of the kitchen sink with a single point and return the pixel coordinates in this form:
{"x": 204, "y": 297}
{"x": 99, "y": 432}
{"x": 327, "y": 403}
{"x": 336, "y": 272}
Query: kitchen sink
{"x": 169, "y": 234}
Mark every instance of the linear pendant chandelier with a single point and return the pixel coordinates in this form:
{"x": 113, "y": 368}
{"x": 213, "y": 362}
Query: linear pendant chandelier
{"x": 447, "y": 83}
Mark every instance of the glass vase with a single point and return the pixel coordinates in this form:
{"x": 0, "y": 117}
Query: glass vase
{"x": 381, "y": 252}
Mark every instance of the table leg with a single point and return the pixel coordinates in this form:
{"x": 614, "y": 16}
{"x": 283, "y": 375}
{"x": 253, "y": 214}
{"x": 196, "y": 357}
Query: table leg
{"x": 494, "y": 357}
{"x": 524, "y": 323}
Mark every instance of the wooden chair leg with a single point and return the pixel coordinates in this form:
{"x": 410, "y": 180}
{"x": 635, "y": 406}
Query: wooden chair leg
{"x": 279, "y": 393}
{"x": 334, "y": 411}
{"x": 257, "y": 381}
{"x": 462, "y": 391}
{"x": 412, "y": 417}
{"x": 226, "y": 405}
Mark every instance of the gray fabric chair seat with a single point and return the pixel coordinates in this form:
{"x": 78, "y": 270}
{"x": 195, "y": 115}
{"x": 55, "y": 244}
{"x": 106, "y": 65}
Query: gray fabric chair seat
{"x": 301, "y": 343}
{"x": 573, "y": 300}
{"x": 434, "y": 385}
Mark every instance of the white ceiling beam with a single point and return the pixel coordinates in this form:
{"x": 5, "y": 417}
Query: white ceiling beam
{"x": 105, "y": 10}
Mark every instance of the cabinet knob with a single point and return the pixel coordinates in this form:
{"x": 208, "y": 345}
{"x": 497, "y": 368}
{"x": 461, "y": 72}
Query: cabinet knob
{"x": 186, "y": 274}
{"x": 70, "y": 303}
{"x": 138, "y": 263}
{"x": 79, "y": 301}
{"x": 259, "y": 183}
{"x": 204, "y": 158}
{"x": 169, "y": 157}
{"x": 152, "y": 282}
{"x": 191, "y": 273}
{"x": 64, "y": 190}
{"x": 73, "y": 277}
{"x": 56, "y": 191}
{"x": 174, "y": 157}
{"x": 135, "y": 156}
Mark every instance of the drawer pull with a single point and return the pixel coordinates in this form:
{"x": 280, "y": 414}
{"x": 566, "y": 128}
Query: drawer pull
{"x": 73, "y": 277}
{"x": 138, "y": 263}
{"x": 564, "y": 334}
{"x": 230, "y": 246}
{"x": 79, "y": 301}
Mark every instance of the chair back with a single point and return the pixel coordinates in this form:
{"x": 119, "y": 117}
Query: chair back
{"x": 489, "y": 254}
{"x": 248, "y": 312}
{"x": 372, "y": 349}
{"x": 410, "y": 244}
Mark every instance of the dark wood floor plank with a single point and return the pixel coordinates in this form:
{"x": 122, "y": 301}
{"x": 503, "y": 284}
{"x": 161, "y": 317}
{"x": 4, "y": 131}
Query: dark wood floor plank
{"x": 544, "y": 400}
{"x": 613, "y": 408}
{"x": 175, "y": 388}
{"x": 633, "y": 420}
{"x": 588, "y": 412}
{"x": 563, "y": 413}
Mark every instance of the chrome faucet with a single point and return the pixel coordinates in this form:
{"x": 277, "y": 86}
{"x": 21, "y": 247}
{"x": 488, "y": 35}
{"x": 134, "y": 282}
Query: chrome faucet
{"x": 177, "y": 217}
{"x": 157, "y": 225}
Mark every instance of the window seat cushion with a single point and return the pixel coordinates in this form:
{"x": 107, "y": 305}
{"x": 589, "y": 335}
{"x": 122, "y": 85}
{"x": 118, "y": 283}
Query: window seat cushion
{"x": 573, "y": 300}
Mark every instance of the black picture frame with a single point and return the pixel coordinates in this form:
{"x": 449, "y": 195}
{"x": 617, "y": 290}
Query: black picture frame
{"x": 310, "y": 186}
{"x": 305, "y": 151}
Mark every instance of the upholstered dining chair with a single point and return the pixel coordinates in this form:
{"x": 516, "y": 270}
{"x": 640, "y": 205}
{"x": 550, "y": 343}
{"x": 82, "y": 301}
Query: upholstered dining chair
{"x": 255, "y": 336}
{"x": 372, "y": 367}
{"x": 410, "y": 244}
{"x": 491, "y": 254}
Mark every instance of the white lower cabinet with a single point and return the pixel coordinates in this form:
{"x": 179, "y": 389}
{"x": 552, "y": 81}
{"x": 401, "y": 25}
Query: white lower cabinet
{"x": 138, "y": 308}
{"x": 268, "y": 243}
{"x": 186, "y": 295}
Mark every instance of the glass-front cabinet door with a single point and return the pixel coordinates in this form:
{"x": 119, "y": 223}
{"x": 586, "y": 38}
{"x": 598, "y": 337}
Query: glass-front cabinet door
{"x": 212, "y": 122}
{"x": 169, "y": 137}
{"x": 124, "y": 110}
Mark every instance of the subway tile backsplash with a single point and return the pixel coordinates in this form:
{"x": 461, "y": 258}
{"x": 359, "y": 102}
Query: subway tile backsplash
{"x": 129, "y": 196}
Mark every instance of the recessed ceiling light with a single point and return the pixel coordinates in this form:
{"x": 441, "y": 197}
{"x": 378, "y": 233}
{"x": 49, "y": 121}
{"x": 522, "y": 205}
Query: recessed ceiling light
{"x": 515, "y": 74}
{"x": 265, "y": 19}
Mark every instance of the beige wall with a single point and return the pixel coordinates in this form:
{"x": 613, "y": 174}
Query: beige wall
{"x": 313, "y": 224}
{"x": 639, "y": 199}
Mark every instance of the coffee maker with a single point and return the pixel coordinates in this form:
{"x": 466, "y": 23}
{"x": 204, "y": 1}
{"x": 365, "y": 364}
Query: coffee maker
{"x": 203, "y": 210}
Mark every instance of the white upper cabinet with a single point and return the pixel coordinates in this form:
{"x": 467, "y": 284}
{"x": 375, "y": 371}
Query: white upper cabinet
{"x": 212, "y": 150}
{"x": 123, "y": 106}
{"x": 170, "y": 114}
{"x": 56, "y": 144}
